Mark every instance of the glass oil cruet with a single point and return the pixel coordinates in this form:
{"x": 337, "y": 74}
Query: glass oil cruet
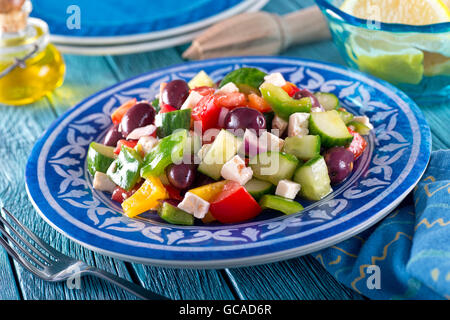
{"x": 30, "y": 67}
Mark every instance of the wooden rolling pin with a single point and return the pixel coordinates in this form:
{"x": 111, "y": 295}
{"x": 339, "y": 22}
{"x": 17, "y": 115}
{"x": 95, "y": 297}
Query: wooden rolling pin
{"x": 259, "y": 33}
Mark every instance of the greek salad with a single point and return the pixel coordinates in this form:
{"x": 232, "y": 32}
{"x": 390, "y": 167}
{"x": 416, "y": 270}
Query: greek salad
{"x": 224, "y": 151}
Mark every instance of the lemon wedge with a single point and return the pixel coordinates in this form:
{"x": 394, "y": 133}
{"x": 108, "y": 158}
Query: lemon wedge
{"x": 412, "y": 12}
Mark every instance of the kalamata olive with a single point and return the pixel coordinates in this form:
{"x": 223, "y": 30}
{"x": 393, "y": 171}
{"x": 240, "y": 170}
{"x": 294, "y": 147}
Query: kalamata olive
{"x": 306, "y": 93}
{"x": 174, "y": 93}
{"x": 201, "y": 180}
{"x": 181, "y": 176}
{"x": 140, "y": 115}
{"x": 340, "y": 163}
{"x": 244, "y": 118}
{"x": 112, "y": 136}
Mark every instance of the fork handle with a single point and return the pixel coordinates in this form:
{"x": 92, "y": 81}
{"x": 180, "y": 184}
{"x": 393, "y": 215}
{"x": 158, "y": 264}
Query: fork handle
{"x": 131, "y": 287}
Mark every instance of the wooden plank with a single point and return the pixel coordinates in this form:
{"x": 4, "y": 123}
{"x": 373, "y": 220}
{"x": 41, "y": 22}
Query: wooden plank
{"x": 175, "y": 283}
{"x": 21, "y": 127}
{"x": 295, "y": 279}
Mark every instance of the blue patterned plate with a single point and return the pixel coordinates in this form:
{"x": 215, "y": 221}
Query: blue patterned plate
{"x": 399, "y": 149}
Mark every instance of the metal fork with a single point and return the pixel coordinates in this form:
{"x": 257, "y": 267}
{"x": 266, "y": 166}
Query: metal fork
{"x": 51, "y": 265}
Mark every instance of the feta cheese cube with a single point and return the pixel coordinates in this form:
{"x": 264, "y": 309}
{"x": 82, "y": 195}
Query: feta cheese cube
{"x": 191, "y": 101}
{"x": 194, "y": 205}
{"x": 236, "y": 170}
{"x": 269, "y": 141}
{"x": 298, "y": 124}
{"x": 287, "y": 189}
{"x": 276, "y": 79}
{"x": 279, "y": 125}
{"x": 230, "y": 87}
{"x": 364, "y": 120}
{"x": 146, "y": 144}
{"x": 103, "y": 183}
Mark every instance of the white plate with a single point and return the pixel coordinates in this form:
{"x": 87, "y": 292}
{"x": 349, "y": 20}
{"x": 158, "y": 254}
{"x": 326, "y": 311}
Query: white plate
{"x": 245, "y": 6}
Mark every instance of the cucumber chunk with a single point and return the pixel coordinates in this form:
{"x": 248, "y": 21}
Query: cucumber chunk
{"x": 274, "y": 166}
{"x": 201, "y": 79}
{"x": 330, "y": 127}
{"x": 171, "y": 121}
{"x": 257, "y": 188}
{"x": 314, "y": 179}
{"x": 174, "y": 215}
{"x": 359, "y": 127}
{"x": 303, "y": 147}
{"x": 99, "y": 157}
{"x": 224, "y": 147}
{"x": 287, "y": 206}
{"x": 345, "y": 115}
{"x": 327, "y": 100}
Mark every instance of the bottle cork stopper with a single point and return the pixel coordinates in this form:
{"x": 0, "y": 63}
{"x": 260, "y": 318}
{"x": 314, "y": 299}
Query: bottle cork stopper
{"x": 13, "y": 15}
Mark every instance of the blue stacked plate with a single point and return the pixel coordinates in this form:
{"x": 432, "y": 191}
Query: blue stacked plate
{"x": 119, "y": 27}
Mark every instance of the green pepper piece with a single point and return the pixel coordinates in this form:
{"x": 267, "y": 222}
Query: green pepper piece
{"x": 169, "y": 150}
{"x": 125, "y": 170}
{"x": 282, "y": 104}
{"x": 174, "y": 215}
{"x": 246, "y": 79}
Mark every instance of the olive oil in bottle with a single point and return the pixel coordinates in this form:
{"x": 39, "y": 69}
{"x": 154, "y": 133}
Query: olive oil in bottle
{"x": 30, "y": 67}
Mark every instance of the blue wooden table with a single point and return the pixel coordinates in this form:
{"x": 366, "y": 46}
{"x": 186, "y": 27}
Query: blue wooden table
{"x": 300, "y": 278}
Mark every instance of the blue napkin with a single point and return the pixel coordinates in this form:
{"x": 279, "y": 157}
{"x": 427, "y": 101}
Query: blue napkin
{"x": 407, "y": 254}
{"x": 104, "y": 18}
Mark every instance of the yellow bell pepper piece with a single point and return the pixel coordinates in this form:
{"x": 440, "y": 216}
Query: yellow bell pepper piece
{"x": 145, "y": 198}
{"x": 207, "y": 193}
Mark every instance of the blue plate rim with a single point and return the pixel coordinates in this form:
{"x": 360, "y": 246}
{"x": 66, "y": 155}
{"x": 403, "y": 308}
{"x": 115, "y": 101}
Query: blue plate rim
{"x": 262, "y": 258}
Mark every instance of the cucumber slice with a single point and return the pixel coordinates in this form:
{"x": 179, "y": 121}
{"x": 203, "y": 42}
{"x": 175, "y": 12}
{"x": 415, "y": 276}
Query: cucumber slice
{"x": 314, "y": 179}
{"x": 303, "y": 147}
{"x": 345, "y": 115}
{"x": 359, "y": 127}
{"x": 174, "y": 215}
{"x": 258, "y": 188}
{"x": 327, "y": 100}
{"x": 201, "y": 79}
{"x": 99, "y": 157}
{"x": 274, "y": 166}
{"x": 330, "y": 127}
{"x": 247, "y": 80}
{"x": 287, "y": 206}
{"x": 224, "y": 147}
{"x": 171, "y": 121}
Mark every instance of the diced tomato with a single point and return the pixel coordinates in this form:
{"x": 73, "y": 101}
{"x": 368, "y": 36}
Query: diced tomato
{"x": 258, "y": 103}
{"x": 174, "y": 193}
{"x": 207, "y": 112}
{"x": 128, "y": 143}
{"x": 166, "y": 108}
{"x": 234, "y": 204}
{"x": 290, "y": 88}
{"x": 358, "y": 144}
{"x": 120, "y": 112}
{"x": 119, "y": 194}
{"x": 231, "y": 100}
{"x": 204, "y": 90}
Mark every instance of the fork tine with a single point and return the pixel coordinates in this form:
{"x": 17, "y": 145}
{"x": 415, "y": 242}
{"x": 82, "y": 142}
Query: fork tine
{"x": 24, "y": 241}
{"x": 26, "y": 264}
{"x": 35, "y": 238}
{"x": 20, "y": 247}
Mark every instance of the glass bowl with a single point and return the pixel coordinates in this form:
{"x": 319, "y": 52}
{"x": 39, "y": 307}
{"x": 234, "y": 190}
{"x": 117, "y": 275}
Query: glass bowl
{"x": 414, "y": 58}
